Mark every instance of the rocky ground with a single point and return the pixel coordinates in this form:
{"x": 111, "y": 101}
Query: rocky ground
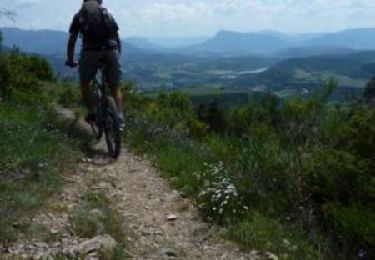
{"x": 160, "y": 222}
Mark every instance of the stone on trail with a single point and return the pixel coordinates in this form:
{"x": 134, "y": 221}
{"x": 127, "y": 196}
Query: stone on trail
{"x": 54, "y": 231}
{"x": 271, "y": 256}
{"x": 167, "y": 252}
{"x": 100, "y": 243}
{"x": 171, "y": 217}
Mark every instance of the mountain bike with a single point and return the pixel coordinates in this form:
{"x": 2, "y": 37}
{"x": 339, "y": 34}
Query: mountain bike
{"x": 107, "y": 121}
{"x": 105, "y": 108}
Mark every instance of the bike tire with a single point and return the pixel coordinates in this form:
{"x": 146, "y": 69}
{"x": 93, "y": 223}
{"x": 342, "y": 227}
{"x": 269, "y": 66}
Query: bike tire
{"x": 112, "y": 128}
{"x": 97, "y": 126}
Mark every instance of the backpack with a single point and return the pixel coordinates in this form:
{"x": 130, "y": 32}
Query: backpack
{"x": 97, "y": 25}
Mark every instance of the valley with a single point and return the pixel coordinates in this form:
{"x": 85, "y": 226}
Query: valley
{"x": 229, "y": 62}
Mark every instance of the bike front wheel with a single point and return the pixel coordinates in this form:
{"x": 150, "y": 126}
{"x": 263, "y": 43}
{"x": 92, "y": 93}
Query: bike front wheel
{"x": 112, "y": 128}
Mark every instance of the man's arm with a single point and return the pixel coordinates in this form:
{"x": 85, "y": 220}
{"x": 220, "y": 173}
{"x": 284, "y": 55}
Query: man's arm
{"x": 119, "y": 43}
{"x": 71, "y": 47}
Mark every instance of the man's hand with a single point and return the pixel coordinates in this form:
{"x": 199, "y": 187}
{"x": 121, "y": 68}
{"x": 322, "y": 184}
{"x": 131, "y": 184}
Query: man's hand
{"x": 71, "y": 64}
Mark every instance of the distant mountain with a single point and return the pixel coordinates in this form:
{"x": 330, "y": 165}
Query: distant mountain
{"x": 175, "y": 43}
{"x": 142, "y": 43}
{"x": 42, "y": 41}
{"x": 234, "y": 43}
{"x": 353, "y": 38}
{"x": 47, "y": 42}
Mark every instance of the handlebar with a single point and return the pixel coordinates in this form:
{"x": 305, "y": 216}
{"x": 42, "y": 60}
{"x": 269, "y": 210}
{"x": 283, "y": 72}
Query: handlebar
{"x": 71, "y": 64}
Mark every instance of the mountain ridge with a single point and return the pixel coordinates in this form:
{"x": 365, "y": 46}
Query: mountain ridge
{"x": 224, "y": 43}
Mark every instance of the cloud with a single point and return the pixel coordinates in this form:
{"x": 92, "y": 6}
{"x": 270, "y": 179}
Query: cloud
{"x": 205, "y": 17}
{"x": 287, "y": 15}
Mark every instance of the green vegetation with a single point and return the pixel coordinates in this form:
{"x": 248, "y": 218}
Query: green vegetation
{"x": 369, "y": 94}
{"x": 97, "y": 217}
{"x": 267, "y": 234}
{"x": 34, "y": 161}
{"x": 36, "y": 149}
{"x": 294, "y": 176}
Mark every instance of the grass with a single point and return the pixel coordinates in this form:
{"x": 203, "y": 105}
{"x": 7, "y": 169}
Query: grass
{"x": 35, "y": 158}
{"x": 180, "y": 163}
{"x": 95, "y": 216}
{"x": 180, "y": 160}
{"x": 260, "y": 232}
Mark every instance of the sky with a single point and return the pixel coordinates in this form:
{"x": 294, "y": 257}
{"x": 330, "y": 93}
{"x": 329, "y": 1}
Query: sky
{"x": 201, "y": 18}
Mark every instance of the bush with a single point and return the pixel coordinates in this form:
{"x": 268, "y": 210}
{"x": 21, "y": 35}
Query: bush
{"x": 267, "y": 234}
{"x": 22, "y": 76}
{"x": 68, "y": 96}
{"x": 303, "y": 163}
{"x": 354, "y": 228}
{"x": 4, "y": 77}
{"x": 218, "y": 195}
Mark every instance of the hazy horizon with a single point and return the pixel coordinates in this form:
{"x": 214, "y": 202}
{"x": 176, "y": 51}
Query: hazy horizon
{"x": 201, "y": 18}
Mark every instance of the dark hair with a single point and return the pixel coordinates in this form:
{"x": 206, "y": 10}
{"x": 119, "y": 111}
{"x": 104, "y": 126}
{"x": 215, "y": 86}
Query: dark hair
{"x": 99, "y": 1}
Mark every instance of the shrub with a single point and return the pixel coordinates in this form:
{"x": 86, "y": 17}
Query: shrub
{"x": 68, "y": 96}
{"x": 22, "y": 76}
{"x": 218, "y": 196}
{"x": 354, "y": 228}
{"x": 258, "y": 231}
{"x": 302, "y": 161}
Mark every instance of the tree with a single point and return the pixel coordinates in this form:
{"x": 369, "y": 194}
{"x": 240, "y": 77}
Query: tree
{"x": 369, "y": 94}
{"x": 215, "y": 116}
{"x": 1, "y": 41}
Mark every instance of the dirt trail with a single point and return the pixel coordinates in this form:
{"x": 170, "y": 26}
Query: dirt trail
{"x": 162, "y": 223}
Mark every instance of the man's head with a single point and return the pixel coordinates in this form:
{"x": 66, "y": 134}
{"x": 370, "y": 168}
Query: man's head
{"x": 99, "y": 1}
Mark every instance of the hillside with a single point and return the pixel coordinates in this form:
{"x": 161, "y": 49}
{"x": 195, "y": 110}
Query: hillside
{"x": 346, "y": 64}
{"x": 302, "y": 76}
{"x": 225, "y": 60}
{"x": 300, "y": 52}
{"x": 353, "y": 38}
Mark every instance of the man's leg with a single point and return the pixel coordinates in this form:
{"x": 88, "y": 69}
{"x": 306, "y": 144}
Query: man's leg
{"x": 114, "y": 75}
{"x": 117, "y": 95}
{"x": 87, "y": 97}
{"x": 87, "y": 70}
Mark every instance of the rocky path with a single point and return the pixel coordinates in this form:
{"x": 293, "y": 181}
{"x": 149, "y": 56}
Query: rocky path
{"x": 161, "y": 223}
{"x": 164, "y": 224}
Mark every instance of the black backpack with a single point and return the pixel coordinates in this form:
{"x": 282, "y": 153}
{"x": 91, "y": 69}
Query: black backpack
{"x": 97, "y": 26}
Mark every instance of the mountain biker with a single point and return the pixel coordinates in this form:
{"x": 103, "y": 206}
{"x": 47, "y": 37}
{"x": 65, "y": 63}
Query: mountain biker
{"x": 100, "y": 44}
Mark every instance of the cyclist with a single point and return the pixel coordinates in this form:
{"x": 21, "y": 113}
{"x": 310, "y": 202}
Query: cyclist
{"x": 100, "y": 44}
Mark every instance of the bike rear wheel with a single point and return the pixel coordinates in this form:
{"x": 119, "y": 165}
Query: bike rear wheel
{"x": 97, "y": 126}
{"x": 112, "y": 128}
